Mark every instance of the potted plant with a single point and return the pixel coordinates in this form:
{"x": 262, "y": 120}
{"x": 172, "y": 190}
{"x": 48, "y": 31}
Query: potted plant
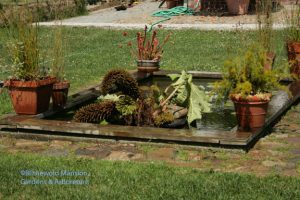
{"x": 265, "y": 30}
{"x": 237, "y": 7}
{"x": 30, "y": 86}
{"x": 249, "y": 86}
{"x": 149, "y": 51}
{"x": 293, "y": 37}
{"x": 61, "y": 86}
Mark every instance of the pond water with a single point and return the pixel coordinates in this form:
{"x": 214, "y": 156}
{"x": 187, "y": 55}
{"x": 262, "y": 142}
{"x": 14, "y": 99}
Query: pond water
{"x": 219, "y": 119}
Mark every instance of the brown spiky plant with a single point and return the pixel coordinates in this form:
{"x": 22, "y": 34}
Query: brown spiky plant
{"x": 119, "y": 80}
{"x": 96, "y": 112}
{"x": 143, "y": 115}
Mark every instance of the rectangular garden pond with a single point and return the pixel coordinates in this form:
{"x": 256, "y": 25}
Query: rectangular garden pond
{"x": 218, "y": 128}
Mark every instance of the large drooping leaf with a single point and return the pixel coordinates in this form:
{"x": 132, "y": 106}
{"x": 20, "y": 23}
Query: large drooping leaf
{"x": 190, "y": 96}
{"x": 198, "y": 103}
{"x": 173, "y": 77}
{"x": 181, "y": 85}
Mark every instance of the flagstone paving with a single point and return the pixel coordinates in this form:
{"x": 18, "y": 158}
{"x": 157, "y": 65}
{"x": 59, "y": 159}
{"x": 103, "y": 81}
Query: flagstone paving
{"x": 278, "y": 153}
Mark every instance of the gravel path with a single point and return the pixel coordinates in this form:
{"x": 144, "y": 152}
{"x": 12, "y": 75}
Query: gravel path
{"x": 139, "y": 15}
{"x": 142, "y": 10}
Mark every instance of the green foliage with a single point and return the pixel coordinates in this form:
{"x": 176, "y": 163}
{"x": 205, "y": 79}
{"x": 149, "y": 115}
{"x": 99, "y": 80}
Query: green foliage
{"x": 198, "y": 103}
{"x": 157, "y": 93}
{"x": 45, "y": 10}
{"x": 181, "y": 85}
{"x": 92, "y": 2}
{"x": 188, "y": 95}
{"x": 292, "y": 20}
{"x": 59, "y": 9}
{"x": 58, "y": 55}
{"x": 265, "y": 23}
{"x": 5, "y": 102}
{"x": 110, "y": 97}
{"x": 163, "y": 118}
{"x": 80, "y": 7}
{"x": 24, "y": 48}
{"x": 246, "y": 75}
{"x": 126, "y": 105}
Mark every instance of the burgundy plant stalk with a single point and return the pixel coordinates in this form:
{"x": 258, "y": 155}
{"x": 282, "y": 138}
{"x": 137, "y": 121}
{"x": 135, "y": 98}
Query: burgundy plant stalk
{"x": 150, "y": 49}
{"x": 139, "y": 45}
{"x": 145, "y": 35}
{"x": 155, "y": 51}
{"x": 152, "y": 43}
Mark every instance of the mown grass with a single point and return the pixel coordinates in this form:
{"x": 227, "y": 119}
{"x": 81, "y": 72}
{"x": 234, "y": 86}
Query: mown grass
{"x": 91, "y": 52}
{"x": 128, "y": 180}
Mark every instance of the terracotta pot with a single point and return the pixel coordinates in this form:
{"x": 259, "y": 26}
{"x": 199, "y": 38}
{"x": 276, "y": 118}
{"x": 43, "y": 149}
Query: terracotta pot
{"x": 250, "y": 115}
{"x": 30, "y": 97}
{"x": 60, "y": 94}
{"x": 270, "y": 61}
{"x": 147, "y": 66}
{"x": 295, "y": 68}
{"x": 294, "y": 87}
{"x": 293, "y": 50}
{"x": 237, "y": 7}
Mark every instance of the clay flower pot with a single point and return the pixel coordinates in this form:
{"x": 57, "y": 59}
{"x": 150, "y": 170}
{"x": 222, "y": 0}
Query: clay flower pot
{"x": 237, "y": 7}
{"x": 148, "y": 66}
{"x": 251, "y": 113}
{"x": 293, "y": 50}
{"x": 60, "y": 94}
{"x": 295, "y": 87}
{"x": 30, "y": 97}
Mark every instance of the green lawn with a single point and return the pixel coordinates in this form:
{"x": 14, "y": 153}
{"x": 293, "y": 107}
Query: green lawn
{"x": 91, "y": 52}
{"x": 128, "y": 180}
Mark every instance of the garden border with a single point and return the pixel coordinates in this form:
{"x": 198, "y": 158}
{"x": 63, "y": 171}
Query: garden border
{"x": 228, "y": 139}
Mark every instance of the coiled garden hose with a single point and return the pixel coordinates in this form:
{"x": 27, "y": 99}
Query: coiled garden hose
{"x": 167, "y": 14}
{"x": 179, "y": 10}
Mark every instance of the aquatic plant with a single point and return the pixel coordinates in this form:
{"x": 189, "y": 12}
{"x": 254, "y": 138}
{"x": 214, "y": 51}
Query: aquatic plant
{"x": 186, "y": 94}
{"x": 127, "y": 107}
{"x": 163, "y": 119}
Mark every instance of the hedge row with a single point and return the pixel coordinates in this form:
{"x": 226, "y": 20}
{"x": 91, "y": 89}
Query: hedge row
{"x": 48, "y": 10}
